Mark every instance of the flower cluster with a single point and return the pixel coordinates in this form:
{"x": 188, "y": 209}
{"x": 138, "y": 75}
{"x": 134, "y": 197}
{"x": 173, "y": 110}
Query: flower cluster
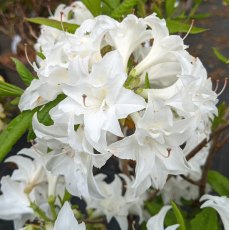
{"x": 128, "y": 90}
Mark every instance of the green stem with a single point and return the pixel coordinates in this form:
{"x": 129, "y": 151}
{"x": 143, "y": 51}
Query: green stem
{"x": 40, "y": 212}
{"x": 51, "y": 201}
{"x": 66, "y": 197}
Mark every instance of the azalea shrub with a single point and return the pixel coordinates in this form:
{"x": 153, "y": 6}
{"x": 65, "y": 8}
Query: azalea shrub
{"x": 114, "y": 87}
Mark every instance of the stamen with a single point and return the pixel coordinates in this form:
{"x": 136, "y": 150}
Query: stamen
{"x": 225, "y": 84}
{"x": 189, "y": 30}
{"x": 33, "y": 143}
{"x": 27, "y": 58}
{"x": 62, "y": 13}
{"x": 84, "y": 96}
{"x": 133, "y": 225}
{"x": 217, "y": 85}
{"x": 62, "y": 26}
{"x": 169, "y": 152}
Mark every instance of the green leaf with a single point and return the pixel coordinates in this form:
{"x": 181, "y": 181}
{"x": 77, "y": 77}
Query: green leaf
{"x": 147, "y": 83}
{"x": 143, "y": 225}
{"x": 169, "y": 7}
{"x": 93, "y": 6}
{"x": 15, "y": 101}
{"x": 178, "y": 215}
{"x": 141, "y": 11}
{"x": 31, "y": 135}
{"x": 67, "y": 196}
{"x": 218, "y": 182}
{"x": 201, "y": 16}
{"x": 7, "y": 89}
{"x": 157, "y": 10}
{"x": 112, "y": 4}
{"x": 220, "y": 56}
{"x": 124, "y": 8}
{"x": 41, "y": 55}
{"x": 206, "y": 219}
{"x": 70, "y": 15}
{"x": 194, "y": 8}
{"x": 43, "y": 113}
{"x": 196, "y": 16}
{"x": 154, "y": 208}
{"x": 24, "y": 73}
{"x": 218, "y": 120}
{"x": 68, "y": 27}
{"x": 180, "y": 27}
{"x": 15, "y": 129}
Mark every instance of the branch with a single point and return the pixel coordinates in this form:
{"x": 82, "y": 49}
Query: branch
{"x": 217, "y": 144}
{"x": 190, "y": 180}
{"x": 206, "y": 168}
{"x": 205, "y": 141}
{"x": 96, "y": 221}
{"x": 153, "y": 195}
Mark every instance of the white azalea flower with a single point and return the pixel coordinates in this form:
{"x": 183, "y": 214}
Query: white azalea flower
{"x": 199, "y": 159}
{"x": 220, "y": 204}
{"x": 164, "y": 76}
{"x": 154, "y": 146}
{"x": 14, "y": 204}
{"x": 157, "y": 221}
{"x": 75, "y": 13}
{"x": 32, "y": 173}
{"x": 57, "y": 67}
{"x": 89, "y": 38}
{"x": 90, "y": 68}
{"x": 177, "y": 188}
{"x": 78, "y": 175}
{"x": 128, "y": 35}
{"x": 114, "y": 204}
{"x": 196, "y": 93}
{"x": 161, "y": 62}
{"x": 62, "y": 134}
{"x": 66, "y": 220}
{"x": 102, "y": 99}
{"x": 32, "y": 183}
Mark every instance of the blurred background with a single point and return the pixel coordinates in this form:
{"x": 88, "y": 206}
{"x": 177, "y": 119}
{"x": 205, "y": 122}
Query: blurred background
{"x": 15, "y": 32}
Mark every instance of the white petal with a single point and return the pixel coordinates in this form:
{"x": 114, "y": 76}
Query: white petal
{"x": 124, "y": 149}
{"x": 112, "y": 124}
{"x": 31, "y": 98}
{"x": 130, "y": 33}
{"x": 93, "y": 124}
{"x": 109, "y": 69}
{"x": 13, "y": 201}
{"x": 128, "y": 102}
{"x": 66, "y": 220}
{"x": 145, "y": 161}
{"x": 161, "y": 52}
{"x": 220, "y": 204}
{"x": 78, "y": 70}
{"x": 158, "y": 26}
{"x": 157, "y": 221}
{"x": 56, "y": 133}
